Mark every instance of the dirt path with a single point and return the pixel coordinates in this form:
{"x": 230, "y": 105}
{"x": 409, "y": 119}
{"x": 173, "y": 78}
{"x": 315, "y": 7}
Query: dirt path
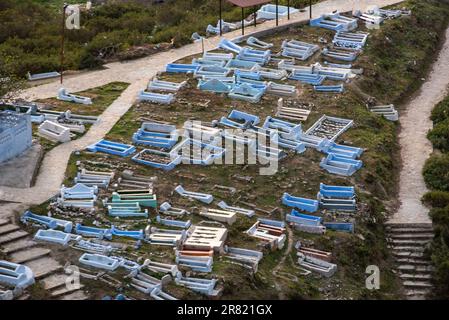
{"x": 415, "y": 147}
{"x": 136, "y": 72}
{"x": 280, "y": 264}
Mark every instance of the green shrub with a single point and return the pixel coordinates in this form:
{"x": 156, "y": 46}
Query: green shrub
{"x": 400, "y": 50}
{"x": 438, "y": 199}
{"x": 440, "y": 251}
{"x": 436, "y": 172}
{"x": 441, "y": 111}
{"x": 30, "y": 29}
{"x": 439, "y": 135}
{"x": 440, "y": 259}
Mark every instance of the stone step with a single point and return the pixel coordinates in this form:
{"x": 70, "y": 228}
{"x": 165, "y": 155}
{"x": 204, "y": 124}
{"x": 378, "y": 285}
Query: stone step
{"x": 417, "y": 293}
{"x": 76, "y": 295}
{"x": 417, "y": 284}
{"x": 408, "y": 249}
{"x": 413, "y": 236}
{"x": 8, "y": 228}
{"x": 408, "y": 268}
{"x": 4, "y": 221}
{"x": 43, "y": 267}
{"x": 54, "y": 281}
{"x": 417, "y": 296}
{"x": 18, "y": 245}
{"x": 409, "y": 254}
{"x": 64, "y": 291}
{"x": 408, "y": 276}
{"x": 414, "y": 261}
{"x": 409, "y": 230}
{"x": 16, "y": 235}
{"x": 408, "y": 242}
{"x": 24, "y": 297}
{"x": 29, "y": 255}
{"x": 395, "y": 226}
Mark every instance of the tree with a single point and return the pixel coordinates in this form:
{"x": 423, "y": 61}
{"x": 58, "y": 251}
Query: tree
{"x": 10, "y": 84}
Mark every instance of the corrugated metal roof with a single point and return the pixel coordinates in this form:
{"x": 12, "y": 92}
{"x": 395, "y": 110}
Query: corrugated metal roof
{"x": 248, "y": 3}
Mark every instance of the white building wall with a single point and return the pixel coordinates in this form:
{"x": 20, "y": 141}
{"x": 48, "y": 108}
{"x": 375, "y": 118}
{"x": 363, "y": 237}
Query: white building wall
{"x": 15, "y": 139}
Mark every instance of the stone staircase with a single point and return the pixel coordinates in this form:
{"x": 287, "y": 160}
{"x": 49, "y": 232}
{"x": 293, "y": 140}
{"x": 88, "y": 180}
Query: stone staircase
{"x": 408, "y": 242}
{"x": 20, "y": 248}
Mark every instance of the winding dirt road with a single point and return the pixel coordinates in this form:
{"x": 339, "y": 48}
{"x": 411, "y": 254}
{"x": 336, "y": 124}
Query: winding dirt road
{"x": 415, "y": 147}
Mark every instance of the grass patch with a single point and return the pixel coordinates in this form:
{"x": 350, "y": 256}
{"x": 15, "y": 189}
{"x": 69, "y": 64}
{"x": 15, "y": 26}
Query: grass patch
{"x": 436, "y": 176}
{"x": 102, "y": 97}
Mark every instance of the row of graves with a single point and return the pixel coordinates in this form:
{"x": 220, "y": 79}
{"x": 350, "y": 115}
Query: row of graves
{"x": 248, "y": 69}
{"x": 98, "y": 210}
{"x": 103, "y": 213}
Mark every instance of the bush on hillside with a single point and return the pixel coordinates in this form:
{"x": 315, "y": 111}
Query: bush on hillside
{"x": 436, "y": 172}
{"x": 400, "y": 50}
{"x": 441, "y": 111}
{"x": 439, "y": 135}
{"x": 440, "y": 259}
{"x": 30, "y": 31}
{"x": 437, "y": 199}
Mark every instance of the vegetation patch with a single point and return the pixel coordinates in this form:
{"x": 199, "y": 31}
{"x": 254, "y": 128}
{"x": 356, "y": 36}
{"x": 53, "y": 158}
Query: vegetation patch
{"x": 436, "y": 176}
{"x": 102, "y": 97}
{"x": 30, "y": 30}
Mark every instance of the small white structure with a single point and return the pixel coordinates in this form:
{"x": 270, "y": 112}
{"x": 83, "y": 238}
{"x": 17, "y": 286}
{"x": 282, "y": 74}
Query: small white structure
{"x": 269, "y": 231}
{"x": 206, "y": 238}
{"x": 268, "y": 11}
{"x": 388, "y": 112}
{"x": 161, "y": 267}
{"x": 63, "y": 95}
{"x": 298, "y": 49}
{"x": 15, "y": 134}
{"x": 295, "y": 114}
{"x": 42, "y": 76}
{"x": 167, "y": 209}
{"x": 197, "y": 131}
{"x": 15, "y": 275}
{"x": 322, "y": 267}
{"x": 203, "y": 197}
{"x": 156, "y": 97}
{"x": 284, "y": 90}
{"x": 161, "y": 85}
{"x": 99, "y": 261}
{"x": 79, "y": 191}
{"x": 165, "y": 237}
{"x": 54, "y": 131}
{"x": 253, "y": 41}
{"x": 225, "y": 216}
{"x": 54, "y": 236}
{"x": 246, "y": 212}
{"x": 78, "y": 128}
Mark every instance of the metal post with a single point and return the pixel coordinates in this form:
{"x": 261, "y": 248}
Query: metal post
{"x": 243, "y": 23}
{"x": 255, "y": 16}
{"x": 221, "y": 27}
{"x": 277, "y": 13}
{"x": 62, "y": 40}
{"x": 310, "y": 9}
{"x": 288, "y": 9}
{"x": 202, "y": 44}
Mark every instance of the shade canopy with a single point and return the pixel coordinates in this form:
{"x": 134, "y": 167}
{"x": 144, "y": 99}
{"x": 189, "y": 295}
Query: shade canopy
{"x": 248, "y": 3}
